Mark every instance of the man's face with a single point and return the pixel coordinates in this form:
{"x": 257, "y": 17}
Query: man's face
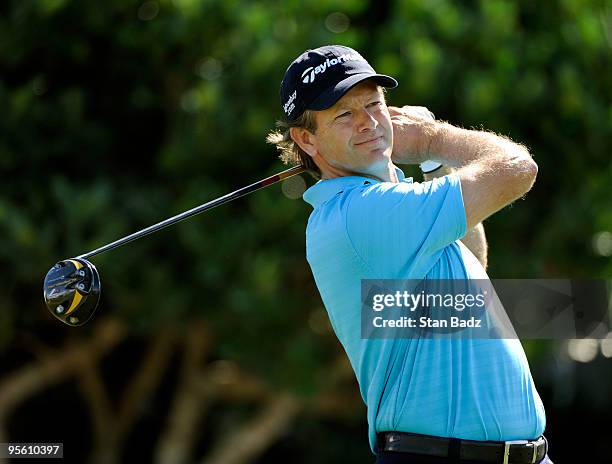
{"x": 356, "y": 133}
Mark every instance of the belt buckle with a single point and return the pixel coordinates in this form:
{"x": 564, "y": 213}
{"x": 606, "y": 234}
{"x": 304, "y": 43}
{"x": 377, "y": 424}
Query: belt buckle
{"x": 507, "y": 444}
{"x": 506, "y": 451}
{"x": 534, "y": 445}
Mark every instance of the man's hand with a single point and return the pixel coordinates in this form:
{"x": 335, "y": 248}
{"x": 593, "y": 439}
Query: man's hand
{"x": 413, "y": 130}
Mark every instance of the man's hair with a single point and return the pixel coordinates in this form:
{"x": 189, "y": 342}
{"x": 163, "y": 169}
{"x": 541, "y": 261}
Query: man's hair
{"x": 290, "y": 151}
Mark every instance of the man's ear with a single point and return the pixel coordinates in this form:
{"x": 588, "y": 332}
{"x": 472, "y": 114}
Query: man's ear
{"x": 305, "y": 139}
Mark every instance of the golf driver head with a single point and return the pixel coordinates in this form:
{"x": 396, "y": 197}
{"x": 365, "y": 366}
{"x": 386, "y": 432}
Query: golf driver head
{"x": 72, "y": 291}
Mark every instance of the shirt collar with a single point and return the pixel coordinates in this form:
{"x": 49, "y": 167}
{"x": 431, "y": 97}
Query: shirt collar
{"x": 325, "y": 189}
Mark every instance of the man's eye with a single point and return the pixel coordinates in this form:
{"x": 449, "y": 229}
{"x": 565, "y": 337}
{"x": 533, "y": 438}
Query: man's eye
{"x": 376, "y": 103}
{"x": 343, "y": 115}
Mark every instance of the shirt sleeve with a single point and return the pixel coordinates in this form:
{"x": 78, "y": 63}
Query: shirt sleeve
{"x": 390, "y": 225}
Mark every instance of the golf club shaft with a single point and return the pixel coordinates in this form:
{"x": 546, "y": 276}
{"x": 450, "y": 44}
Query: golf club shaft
{"x": 197, "y": 210}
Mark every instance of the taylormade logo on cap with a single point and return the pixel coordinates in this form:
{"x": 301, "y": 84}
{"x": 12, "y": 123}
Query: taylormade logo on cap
{"x": 310, "y": 73}
{"x": 289, "y": 106}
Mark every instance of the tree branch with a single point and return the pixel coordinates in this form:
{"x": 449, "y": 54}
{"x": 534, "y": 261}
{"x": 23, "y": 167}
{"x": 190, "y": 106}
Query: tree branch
{"x": 20, "y": 385}
{"x": 176, "y": 442}
{"x": 247, "y": 442}
{"x": 145, "y": 380}
{"x": 105, "y": 450}
{"x": 36, "y": 376}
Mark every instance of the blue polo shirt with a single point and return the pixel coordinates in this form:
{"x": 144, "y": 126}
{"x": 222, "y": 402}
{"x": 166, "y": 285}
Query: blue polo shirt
{"x": 474, "y": 389}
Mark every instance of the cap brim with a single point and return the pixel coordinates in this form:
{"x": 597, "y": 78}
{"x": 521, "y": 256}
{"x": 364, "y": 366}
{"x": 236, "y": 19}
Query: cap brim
{"x": 332, "y": 95}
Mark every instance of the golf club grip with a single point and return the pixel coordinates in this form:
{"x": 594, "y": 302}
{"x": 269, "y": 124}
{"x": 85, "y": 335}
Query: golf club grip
{"x": 197, "y": 210}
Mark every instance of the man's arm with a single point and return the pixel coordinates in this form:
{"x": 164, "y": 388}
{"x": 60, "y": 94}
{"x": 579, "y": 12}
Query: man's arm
{"x": 475, "y": 238}
{"x": 494, "y": 171}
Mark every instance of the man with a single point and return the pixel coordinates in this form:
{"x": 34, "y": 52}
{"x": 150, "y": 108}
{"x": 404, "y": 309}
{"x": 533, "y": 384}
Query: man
{"x": 429, "y": 400}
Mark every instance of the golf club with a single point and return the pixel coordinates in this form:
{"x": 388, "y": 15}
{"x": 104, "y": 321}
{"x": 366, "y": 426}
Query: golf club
{"x": 72, "y": 286}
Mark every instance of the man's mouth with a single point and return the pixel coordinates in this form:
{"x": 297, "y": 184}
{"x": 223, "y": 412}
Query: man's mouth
{"x": 375, "y": 139}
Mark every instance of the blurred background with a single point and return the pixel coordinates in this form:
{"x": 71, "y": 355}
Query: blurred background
{"x": 211, "y": 344}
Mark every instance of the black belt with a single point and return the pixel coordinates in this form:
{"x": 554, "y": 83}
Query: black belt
{"x": 513, "y": 452}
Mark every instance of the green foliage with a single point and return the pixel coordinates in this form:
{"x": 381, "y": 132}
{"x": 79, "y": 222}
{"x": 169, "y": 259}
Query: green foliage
{"x": 118, "y": 115}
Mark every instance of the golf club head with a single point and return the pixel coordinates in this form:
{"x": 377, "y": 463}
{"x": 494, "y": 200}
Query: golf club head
{"x": 72, "y": 291}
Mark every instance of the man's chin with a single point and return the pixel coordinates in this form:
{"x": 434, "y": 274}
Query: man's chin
{"x": 372, "y": 169}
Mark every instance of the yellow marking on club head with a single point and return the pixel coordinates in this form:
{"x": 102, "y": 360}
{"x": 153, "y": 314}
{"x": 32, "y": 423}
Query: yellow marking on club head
{"x": 76, "y": 263}
{"x": 77, "y": 299}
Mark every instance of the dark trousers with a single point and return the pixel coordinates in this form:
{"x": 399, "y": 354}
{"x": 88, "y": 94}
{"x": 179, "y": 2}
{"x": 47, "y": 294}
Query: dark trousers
{"x": 390, "y": 457}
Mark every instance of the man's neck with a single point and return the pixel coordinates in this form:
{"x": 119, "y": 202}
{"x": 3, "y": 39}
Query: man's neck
{"x": 386, "y": 174}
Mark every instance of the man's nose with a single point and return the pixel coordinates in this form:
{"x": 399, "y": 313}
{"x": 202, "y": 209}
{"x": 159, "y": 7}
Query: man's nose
{"x": 366, "y": 121}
